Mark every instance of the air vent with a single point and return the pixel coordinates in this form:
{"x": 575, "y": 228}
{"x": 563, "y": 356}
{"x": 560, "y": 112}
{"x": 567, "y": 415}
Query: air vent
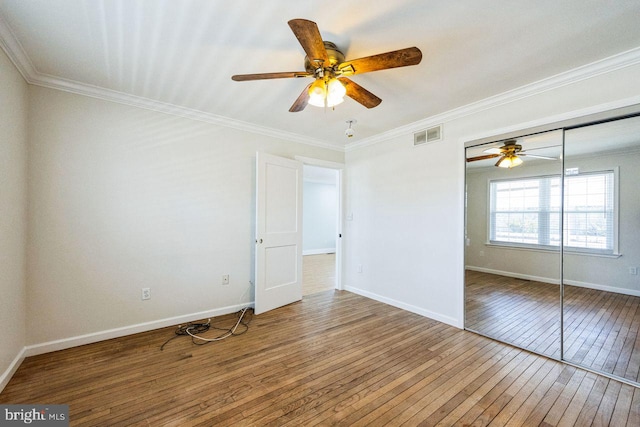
{"x": 432, "y": 134}
{"x": 420, "y": 137}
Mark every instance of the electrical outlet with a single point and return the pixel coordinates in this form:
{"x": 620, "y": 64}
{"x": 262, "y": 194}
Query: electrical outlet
{"x": 225, "y": 279}
{"x": 633, "y": 271}
{"x": 146, "y": 293}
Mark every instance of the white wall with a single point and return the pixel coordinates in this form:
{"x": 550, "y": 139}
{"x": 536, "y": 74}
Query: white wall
{"x": 408, "y": 202}
{"x": 13, "y": 184}
{"x": 123, "y": 198}
{"x": 320, "y": 204}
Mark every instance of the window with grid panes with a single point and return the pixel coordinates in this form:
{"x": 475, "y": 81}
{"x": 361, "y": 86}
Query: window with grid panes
{"x": 526, "y": 212}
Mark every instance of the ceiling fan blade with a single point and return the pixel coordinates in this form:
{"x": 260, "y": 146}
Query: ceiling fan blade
{"x": 537, "y": 157}
{"x": 488, "y": 156}
{"x": 500, "y": 160}
{"x": 493, "y": 150}
{"x": 266, "y": 76}
{"x": 540, "y": 148}
{"x": 360, "y": 94}
{"x": 382, "y": 61}
{"x": 302, "y": 101}
{"x": 309, "y": 37}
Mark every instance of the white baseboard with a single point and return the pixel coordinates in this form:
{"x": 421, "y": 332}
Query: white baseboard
{"x": 61, "y": 344}
{"x": 408, "y": 307}
{"x": 632, "y": 292}
{"x": 514, "y": 275}
{"x": 13, "y": 367}
{"x": 319, "y": 251}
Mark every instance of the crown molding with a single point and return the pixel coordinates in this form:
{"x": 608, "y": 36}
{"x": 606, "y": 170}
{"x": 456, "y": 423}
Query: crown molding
{"x": 619, "y": 107}
{"x": 167, "y": 108}
{"x": 603, "y": 66}
{"x": 14, "y": 50}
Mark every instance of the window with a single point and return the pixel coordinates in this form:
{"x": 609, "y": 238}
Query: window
{"x": 589, "y": 211}
{"x": 526, "y": 212}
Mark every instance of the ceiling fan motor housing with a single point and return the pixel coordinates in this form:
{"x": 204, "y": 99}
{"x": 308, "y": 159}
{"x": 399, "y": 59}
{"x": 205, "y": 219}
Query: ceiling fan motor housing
{"x": 335, "y": 57}
{"x": 511, "y": 146}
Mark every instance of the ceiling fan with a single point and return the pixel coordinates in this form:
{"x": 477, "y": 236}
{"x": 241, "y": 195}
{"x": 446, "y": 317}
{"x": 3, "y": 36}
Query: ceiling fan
{"x": 510, "y": 155}
{"x": 326, "y": 64}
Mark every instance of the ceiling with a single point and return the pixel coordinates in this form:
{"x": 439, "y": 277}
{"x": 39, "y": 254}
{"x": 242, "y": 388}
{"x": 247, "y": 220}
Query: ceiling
{"x": 179, "y": 56}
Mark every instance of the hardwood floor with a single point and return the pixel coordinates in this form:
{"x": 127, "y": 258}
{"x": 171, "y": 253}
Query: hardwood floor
{"x": 601, "y": 329}
{"x": 318, "y": 273}
{"x": 334, "y": 358}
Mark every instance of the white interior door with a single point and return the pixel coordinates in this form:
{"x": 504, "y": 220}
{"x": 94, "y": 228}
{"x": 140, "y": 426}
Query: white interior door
{"x": 278, "y": 232}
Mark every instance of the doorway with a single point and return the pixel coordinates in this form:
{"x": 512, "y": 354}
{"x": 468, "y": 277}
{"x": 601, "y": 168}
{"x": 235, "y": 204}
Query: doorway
{"x": 320, "y": 228}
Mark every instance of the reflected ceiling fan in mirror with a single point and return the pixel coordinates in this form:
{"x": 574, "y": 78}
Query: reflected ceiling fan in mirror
{"x": 326, "y": 64}
{"x": 509, "y": 155}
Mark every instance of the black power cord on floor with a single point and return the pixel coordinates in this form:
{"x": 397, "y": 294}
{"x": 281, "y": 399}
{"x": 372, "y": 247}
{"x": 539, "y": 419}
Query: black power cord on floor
{"x": 194, "y": 329}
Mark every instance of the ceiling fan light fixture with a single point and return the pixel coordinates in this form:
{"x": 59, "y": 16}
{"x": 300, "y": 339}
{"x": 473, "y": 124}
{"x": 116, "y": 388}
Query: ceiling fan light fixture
{"x": 334, "y": 102}
{"x": 335, "y": 91}
{"x": 509, "y": 161}
{"x": 330, "y": 93}
{"x": 317, "y": 93}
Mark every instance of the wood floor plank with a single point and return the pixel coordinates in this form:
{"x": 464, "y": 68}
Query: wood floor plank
{"x": 430, "y": 403}
{"x": 471, "y": 398}
{"x": 499, "y": 407}
{"x": 634, "y": 409}
{"x": 592, "y": 402}
{"x": 426, "y": 367}
{"x": 356, "y": 390}
{"x": 532, "y": 402}
{"x": 561, "y": 404}
{"x": 549, "y": 398}
{"x": 602, "y": 416}
{"x": 410, "y": 392}
{"x": 578, "y": 401}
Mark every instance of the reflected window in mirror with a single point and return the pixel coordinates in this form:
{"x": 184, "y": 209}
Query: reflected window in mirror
{"x": 590, "y": 212}
{"x": 526, "y": 212}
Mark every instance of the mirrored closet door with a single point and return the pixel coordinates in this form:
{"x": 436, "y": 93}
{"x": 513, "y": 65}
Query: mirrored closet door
{"x": 552, "y": 244}
{"x": 512, "y": 254}
{"x": 602, "y": 247}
